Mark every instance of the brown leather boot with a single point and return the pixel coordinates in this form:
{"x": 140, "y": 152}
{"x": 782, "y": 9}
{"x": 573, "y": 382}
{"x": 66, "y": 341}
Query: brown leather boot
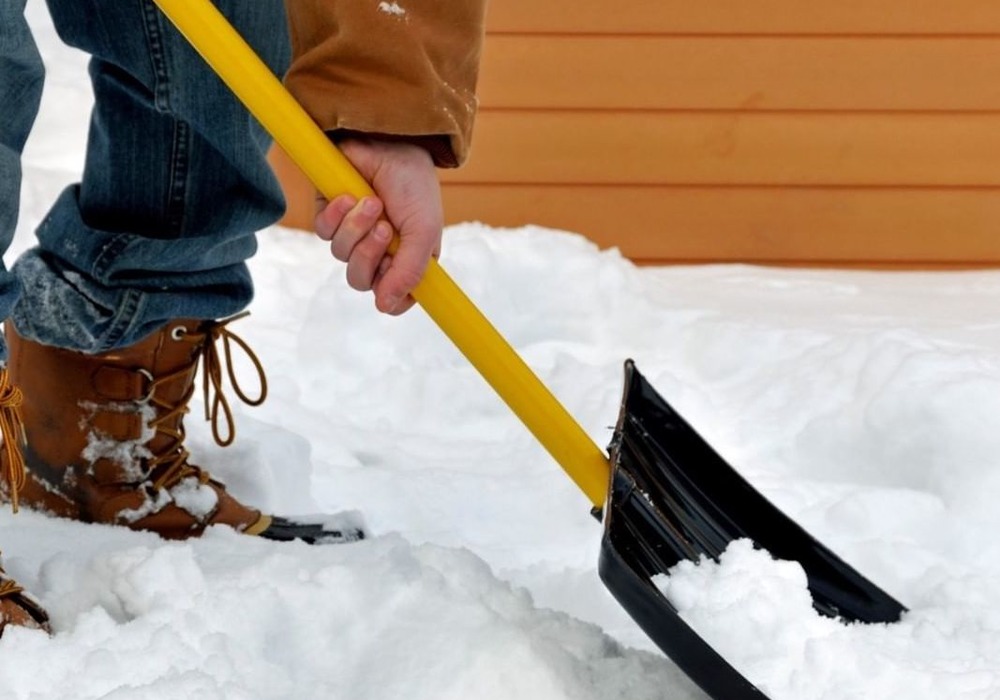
{"x": 16, "y": 606}
{"x": 105, "y": 433}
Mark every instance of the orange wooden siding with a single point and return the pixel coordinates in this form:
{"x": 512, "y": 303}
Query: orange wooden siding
{"x": 743, "y": 17}
{"x": 857, "y": 132}
{"x": 739, "y": 73}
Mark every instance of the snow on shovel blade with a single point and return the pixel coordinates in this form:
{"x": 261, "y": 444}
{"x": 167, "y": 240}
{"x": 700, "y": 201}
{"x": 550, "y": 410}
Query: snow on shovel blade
{"x": 672, "y": 497}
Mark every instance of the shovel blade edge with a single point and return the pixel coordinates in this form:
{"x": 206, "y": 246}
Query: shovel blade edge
{"x": 659, "y": 620}
{"x": 672, "y": 497}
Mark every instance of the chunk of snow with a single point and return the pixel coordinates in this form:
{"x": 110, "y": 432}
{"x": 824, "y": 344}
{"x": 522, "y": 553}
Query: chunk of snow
{"x": 392, "y": 8}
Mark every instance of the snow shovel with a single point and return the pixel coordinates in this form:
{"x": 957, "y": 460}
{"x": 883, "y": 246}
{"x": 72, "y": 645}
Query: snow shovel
{"x": 665, "y": 495}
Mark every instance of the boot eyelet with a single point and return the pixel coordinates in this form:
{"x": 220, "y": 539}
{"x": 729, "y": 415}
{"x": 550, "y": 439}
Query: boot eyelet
{"x": 178, "y": 332}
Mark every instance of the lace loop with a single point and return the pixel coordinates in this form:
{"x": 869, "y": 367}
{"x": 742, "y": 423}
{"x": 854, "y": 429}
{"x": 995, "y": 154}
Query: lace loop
{"x": 12, "y": 432}
{"x": 216, "y": 403}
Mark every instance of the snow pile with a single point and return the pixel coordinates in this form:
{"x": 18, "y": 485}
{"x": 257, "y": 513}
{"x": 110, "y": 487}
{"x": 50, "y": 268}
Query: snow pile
{"x": 757, "y": 612}
{"x": 238, "y": 618}
{"x": 767, "y": 598}
{"x": 864, "y": 405}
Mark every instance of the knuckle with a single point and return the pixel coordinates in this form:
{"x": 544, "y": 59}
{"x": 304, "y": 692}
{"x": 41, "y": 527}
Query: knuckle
{"x": 357, "y": 280}
{"x": 407, "y": 278}
{"x": 339, "y": 251}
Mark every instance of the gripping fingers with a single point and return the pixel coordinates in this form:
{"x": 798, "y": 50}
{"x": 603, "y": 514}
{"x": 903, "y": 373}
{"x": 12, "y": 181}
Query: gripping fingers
{"x": 354, "y": 226}
{"x": 330, "y": 214}
{"x": 369, "y": 257}
{"x": 357, "y": 236}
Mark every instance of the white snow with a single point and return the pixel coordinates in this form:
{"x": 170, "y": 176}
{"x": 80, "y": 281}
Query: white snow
{"x": 392, "y": 8}
{"x": 866, "y": 405}
{"x": 127, "y": 454}
{"x": 196, "y": 498}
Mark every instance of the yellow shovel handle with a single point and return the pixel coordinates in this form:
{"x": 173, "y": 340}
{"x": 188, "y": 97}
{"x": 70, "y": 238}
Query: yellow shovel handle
{"x": 295, "y": 131}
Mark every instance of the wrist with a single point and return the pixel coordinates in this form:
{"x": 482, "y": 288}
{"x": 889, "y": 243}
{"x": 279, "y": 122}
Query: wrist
{"x": 437, "y": 146}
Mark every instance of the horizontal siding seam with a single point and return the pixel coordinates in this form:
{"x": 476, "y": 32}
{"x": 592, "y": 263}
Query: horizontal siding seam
{"x": 901, "y": 265}
{"x": 456, "y": 181}
{"x": 727, "y": 111}
{"x": 920, "y": 36}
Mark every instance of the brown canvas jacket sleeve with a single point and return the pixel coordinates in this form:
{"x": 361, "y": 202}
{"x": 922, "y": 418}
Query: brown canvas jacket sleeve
{"x": 396, "y": 68}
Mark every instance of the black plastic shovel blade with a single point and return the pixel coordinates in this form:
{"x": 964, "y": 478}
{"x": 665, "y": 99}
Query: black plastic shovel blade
{"x": 672, "y": 498}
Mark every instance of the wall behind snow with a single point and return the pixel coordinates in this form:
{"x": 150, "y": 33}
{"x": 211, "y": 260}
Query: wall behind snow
{"x": 849, "y": 132}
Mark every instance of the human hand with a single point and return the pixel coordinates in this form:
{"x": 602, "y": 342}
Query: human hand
{"x": 407, "y": 191}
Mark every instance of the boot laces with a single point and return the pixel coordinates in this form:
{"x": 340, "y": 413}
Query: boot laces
{"x": 12, "y": 432}
{"x": 217, "y": 407}
{"x": 9, "y": 586}
{"x": 212, "y": 381}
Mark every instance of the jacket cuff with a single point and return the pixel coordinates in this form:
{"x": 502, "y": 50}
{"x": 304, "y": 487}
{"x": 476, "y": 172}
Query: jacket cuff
{"x": 379, "y": 68}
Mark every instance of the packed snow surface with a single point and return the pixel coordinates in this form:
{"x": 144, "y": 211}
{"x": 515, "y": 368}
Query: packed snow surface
{"x": 865, "y": 405}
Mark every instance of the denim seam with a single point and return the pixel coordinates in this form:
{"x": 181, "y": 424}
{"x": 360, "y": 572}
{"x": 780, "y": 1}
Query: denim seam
{"x": 179, "y": 161}
{"x": 154, "y": 39}
{"x": 107, "y": 255}
{"x": 180, "y": 152}
{"x": 132, "y": 300}
{"x": 128, "y": 312}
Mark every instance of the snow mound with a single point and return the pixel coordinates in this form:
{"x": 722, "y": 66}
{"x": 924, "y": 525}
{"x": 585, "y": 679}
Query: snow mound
{"x": 229, "y": 616}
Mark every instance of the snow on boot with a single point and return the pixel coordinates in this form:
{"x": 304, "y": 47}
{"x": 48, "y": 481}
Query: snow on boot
{"x": 16, "y": 606}
{"x": 105, "y": 434}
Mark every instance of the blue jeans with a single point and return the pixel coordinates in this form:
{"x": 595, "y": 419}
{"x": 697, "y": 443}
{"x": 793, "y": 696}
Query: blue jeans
{"x": 174, "y": 188}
